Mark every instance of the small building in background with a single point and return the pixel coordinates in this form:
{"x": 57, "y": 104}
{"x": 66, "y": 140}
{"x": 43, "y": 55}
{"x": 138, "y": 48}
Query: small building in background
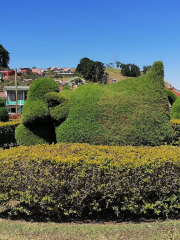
{"x": 8, "y": 73}
{"x": 10, "y": 93}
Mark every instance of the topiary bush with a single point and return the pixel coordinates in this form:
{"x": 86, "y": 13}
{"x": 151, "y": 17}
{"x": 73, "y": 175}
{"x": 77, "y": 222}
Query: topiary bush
{"x": 36, "y": 121}
{"x": 171, "y": 96}
{"x": 4, "y": 117}
{"x": 7, "y": 133}
{"x": 130, "y": 112}
{"x": 175, "y": 112}
{"x": 82, "y": 180}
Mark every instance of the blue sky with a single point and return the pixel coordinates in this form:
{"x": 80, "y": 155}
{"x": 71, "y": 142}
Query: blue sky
{"x": 59, "y": 33}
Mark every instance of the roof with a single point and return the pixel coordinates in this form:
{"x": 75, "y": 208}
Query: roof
{"x": 18, "y": 87}
{"x": 176, "y": 92}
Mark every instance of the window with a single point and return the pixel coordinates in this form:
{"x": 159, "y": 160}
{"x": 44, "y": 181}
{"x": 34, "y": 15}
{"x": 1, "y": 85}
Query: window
{"x": 11, "y": 96}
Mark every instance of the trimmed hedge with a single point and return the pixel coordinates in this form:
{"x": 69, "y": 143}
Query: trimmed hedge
{"x": 175, "y": 112}
{"x": 1, "y": 102}
{"x": 7, "y": 133}
{"x": 4, "y": 117}
{"x": 36, "y": 121}
{"x": 81, "y": 180}
{"x": 171, "y": 96}
{"x": 130, "y": 112}
{"x": 175, "y": 124}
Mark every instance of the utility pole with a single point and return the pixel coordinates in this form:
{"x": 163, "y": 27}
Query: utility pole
{"x": 16, "y": 91}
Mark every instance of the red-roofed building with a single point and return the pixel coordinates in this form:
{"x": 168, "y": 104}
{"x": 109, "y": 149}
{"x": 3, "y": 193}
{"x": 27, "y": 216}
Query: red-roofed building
{"x": 174, "y": 91}
{"x": 7, "y": 73}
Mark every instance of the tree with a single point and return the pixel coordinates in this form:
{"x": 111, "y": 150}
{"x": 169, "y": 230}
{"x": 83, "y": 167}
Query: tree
{"x": 130, "y": 70}
{"x": 91, "y": 70}
{"x": 146, "y": 68}
{"x": 118, "y": 64}
{"x": 4, "y": 57}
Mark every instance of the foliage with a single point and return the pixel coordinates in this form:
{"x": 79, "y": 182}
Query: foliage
{"x": 4, "y": 57}
{"x": 36, "y": 120}
{"x": 123, "y": 113}
{"x": 4, "y": 117}
{"x": 175, "y": 124}
{"x": 171, "y": 96}
{"x": 80, "y": 180}
{"x": 2, "y": 102}
{"x": 130, "y": 70}
{"x": 7, "y": 133}
{"x": 175, "y": 112}
{"x": 66, "y": 88}
{"x": 146, "y": 68}
{"x": 91, "y": 70}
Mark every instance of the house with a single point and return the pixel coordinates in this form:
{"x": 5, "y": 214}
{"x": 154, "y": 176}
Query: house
{"x": 59, "y": 70}
{"x": 11, "y": 98}
{"x": 7, "y": 73}
{"x": 23, "y": 70}
{"x": 38, "y": 71}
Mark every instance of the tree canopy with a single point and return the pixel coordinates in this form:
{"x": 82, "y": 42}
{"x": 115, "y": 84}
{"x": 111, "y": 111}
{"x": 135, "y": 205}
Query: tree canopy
{"x": 130, "y": 70}
{"x": 146, "y": 68}
{"x": 93, "y": 71}
{"x": 4, "y": 57}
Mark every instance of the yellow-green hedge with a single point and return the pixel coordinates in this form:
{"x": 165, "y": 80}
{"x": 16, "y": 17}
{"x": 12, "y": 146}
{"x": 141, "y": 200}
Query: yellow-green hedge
{"x": 86, "y": 180}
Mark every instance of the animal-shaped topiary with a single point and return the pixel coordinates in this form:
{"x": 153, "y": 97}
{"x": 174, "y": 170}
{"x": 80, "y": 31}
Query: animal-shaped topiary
{"x": 131, "y": 112}
{"x": 4, "y": 117}
{"x": 37, "y": 126}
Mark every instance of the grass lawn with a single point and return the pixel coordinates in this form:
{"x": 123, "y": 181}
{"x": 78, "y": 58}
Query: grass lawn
{"x": 19, "y": 230}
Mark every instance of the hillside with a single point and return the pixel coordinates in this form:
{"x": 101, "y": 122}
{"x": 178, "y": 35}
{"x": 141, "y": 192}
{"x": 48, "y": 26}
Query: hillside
{"x": 114, "y": 73}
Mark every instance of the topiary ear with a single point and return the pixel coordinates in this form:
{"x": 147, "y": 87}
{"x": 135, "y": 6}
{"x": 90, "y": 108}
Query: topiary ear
{"x": 53, "y": 99}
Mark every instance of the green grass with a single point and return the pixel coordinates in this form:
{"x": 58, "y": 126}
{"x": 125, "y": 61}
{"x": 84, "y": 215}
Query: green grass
{"x": 18, "y": 230}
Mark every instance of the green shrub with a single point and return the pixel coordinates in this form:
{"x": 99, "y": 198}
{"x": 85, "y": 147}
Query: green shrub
{"x": 36, "y": 120}
{"x": 66, "y": 88}
{"x": 130, "y": 112}
{"x": 40, "y": 87}
{"x": 34, "y": 111}
{"x": 4, "y": 117}
{"x": 35, "y": 134}
{"x": 80, "y": 180}
{"x": 175, "y": 124}
{"x": 7, "y": 133}
{"x": 175, "y": 112}
{"x": 171, "y": 96}
{"x": 2, "y": 102}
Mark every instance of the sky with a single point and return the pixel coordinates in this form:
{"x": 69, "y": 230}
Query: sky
{"x": 59, "y": 33}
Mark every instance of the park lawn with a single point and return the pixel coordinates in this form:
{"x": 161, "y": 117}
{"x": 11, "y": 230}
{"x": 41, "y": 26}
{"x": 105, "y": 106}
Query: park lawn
{"x": 19, "y": 230}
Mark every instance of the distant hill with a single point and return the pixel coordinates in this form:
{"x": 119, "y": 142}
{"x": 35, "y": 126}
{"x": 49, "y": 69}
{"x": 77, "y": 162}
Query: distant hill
{"x": 114, "y": 73}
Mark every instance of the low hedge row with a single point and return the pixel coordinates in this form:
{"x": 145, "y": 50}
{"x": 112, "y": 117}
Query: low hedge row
{"x": 7, "y": 132}
{"x": 81, "y": 180}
